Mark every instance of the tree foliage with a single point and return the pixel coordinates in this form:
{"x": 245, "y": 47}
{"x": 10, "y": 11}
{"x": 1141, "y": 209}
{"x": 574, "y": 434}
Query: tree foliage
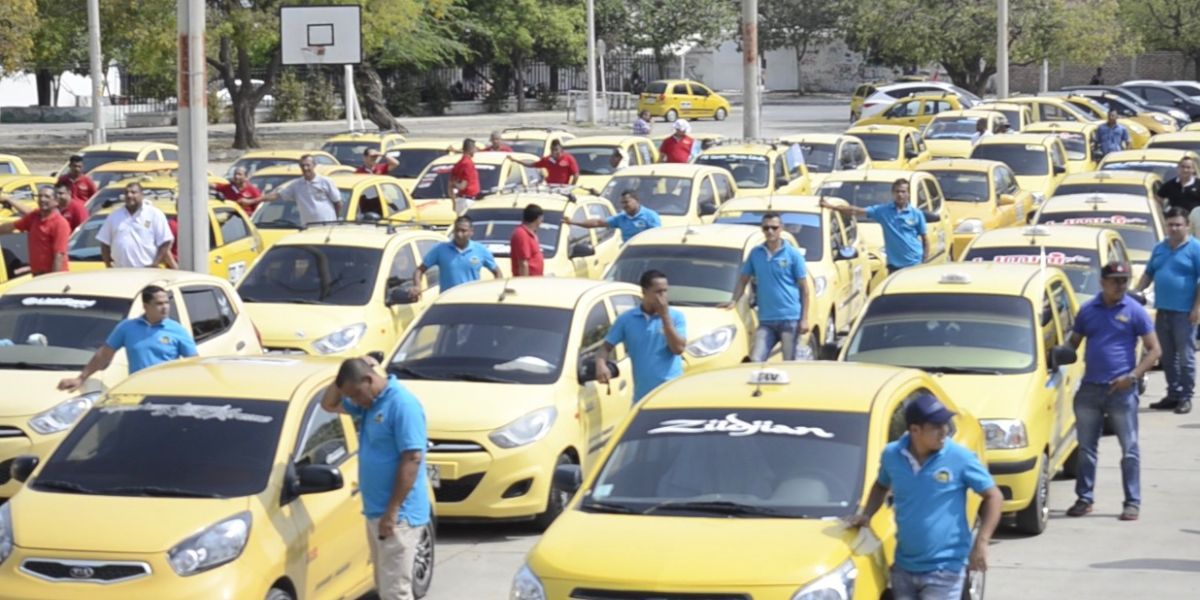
{"x": 657, "y": 25}
{"x": 1167, "y": 25}
{"x": 18, "y": 22}
{"x": 798, "y": 25}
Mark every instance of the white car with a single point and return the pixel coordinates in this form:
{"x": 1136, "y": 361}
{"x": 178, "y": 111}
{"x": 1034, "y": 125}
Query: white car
{"x": 884, "y": 95}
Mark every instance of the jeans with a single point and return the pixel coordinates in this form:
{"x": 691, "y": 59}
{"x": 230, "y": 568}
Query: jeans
{"x": 770, "y": 333}
{"x": 1177, "y": 336}
{"x": 1092, "y": 402}
{"x": 935, "y": 585}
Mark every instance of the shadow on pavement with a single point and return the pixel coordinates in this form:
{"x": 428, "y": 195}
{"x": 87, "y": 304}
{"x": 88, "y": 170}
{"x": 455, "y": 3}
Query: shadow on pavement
{"x": 484, "y": 533}
{"x": 1155, "y": 564}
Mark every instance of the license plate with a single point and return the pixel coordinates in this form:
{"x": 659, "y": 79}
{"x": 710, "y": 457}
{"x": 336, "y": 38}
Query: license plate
{"x": 435, "y": 475}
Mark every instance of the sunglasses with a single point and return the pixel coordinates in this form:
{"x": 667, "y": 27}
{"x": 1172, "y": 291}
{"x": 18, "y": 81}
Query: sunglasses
{"x": 770, "y": 227}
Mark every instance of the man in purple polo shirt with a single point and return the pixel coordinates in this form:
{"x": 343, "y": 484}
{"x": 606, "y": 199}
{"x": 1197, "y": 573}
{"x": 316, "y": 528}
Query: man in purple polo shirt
{"x": 1112, "y": 322}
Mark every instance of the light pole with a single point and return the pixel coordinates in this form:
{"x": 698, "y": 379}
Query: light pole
{"x": 93, "y": 16}
{"x": 193, "y": 138}
{"x": 591, "y": 60}
{"x": 1001, "y": 48}
{"x": 750, "y": 99}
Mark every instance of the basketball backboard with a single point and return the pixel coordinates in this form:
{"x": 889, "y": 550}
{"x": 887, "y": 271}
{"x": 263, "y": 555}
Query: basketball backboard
{"x": 321, "y": 35}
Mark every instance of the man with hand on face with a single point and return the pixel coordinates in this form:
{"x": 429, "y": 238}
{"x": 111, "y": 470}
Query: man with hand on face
{"x": 372, "y": 165}
{"x": 392, "y": 440}
{"x": 136, "y": 235}
{"x": 782, "y": 277}
{"x": 458, "y": 261}
{"x": 654, "y": 335}
{"x": 48, "y": 233}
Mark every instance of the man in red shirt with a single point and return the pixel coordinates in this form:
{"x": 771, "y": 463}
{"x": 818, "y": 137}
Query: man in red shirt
{"x": 48, "y": 233}
{"x": 678, "y": 147}
{"x": 524, "y": 248}
{"x": 70, "y": 207}
{"x": 373, "y": 166}
{"x": 561, "y": 168}
{"x": 496, "y": 144}
{"x": 82, "y": 186}
{"x": 464, "y": 178}
{"x": 240, "y": 190}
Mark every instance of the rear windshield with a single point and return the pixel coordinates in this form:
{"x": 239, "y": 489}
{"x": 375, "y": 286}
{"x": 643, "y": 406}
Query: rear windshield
{"x": 1099, "y": 188}
{"x": 880, "y": 146}
{"x": 91, "y": 160}
{"x": 1023, "y": 159}
{"x": 1081, "y": 265}
{"x": 656, "y": 87}
{"x": 1177, "y": 145}
{"x": 412, "y": 162}
{"x": 862, "y": 194}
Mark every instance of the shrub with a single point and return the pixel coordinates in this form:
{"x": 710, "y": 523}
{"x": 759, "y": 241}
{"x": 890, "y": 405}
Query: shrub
{"x": 289, "y": 98}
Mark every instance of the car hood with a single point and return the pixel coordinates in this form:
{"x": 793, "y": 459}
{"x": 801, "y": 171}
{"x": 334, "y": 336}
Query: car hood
{"x": 463, "y": 407}
{"x": 702, "y": 319}
{"x": 271, "y": 235}
{"x": 595, "y": 182}
{"x": 992, "y": 396}
{"x": 949, "y": 148}
{"x": 684, "y": 552}
{"x": 970, "y": 210}
{"x": 130, "y": 524}
{"x": 1040, "y": 184}
{"x": 289, "y": 324}
{"x": 36, "y": 391}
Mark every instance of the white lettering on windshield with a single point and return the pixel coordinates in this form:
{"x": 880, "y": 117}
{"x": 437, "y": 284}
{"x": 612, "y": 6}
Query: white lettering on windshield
{"x": 76, "y": 303}
{"x": 192, "y": 411}
{"x": 736, "y": 427}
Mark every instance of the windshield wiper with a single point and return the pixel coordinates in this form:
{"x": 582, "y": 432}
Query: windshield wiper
{"x": 721, "y": 507}
{"x": 409, "y": 371}
{"x": 62, "y": 486}
{"x": 297, "y": 301}
{"x": 160, "y": 491}
{"x": 28, "y": 366}
{"x": 478, "y": 377}
{"x": 607, "y": 507}
{"x": 684, "y": 303}
{"x": 963, "y": 370}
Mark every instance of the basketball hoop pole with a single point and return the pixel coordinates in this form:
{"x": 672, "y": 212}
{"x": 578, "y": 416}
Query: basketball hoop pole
{"x": 193, "y": 138}
{"x": 348, "y": 96}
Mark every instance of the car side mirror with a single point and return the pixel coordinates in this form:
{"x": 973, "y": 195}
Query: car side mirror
{"x": 1007, "y": 200}
{"x": 846, "y": 253}
{"x": 1177, "y": 100}
{"x": 587, "y": 370}
{"x": 377, "y": 355}
{"x": 1059, "y": 169}
{"x": 910, "y": 153}
{"x": 1061, "y": 356}
{"x": 827, "y": 352}
{"x": 782, "y": 181}
{"x": 582, "y": 249}
{"x": 315, "y": 479}
{"x": 708, "y": 208}
{"x": 22, "y": 467}
{"x": 568, "y": 478}
{"x": 398, "y": 295}
{"x": 931, "y": 217}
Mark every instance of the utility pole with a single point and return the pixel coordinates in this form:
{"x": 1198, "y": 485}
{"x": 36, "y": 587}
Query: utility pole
{"x": 1044, "y": 79}
{"x": 591, "y": 60}
{"x": 750, "y": 99}
{"x": 193, "y": 138}
{"x": 93, "y": 16}
{"x": 1001, "y": 48}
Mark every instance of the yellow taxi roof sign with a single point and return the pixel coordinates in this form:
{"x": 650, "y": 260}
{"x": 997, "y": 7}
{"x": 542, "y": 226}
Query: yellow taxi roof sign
{"x": 768, "y": 377}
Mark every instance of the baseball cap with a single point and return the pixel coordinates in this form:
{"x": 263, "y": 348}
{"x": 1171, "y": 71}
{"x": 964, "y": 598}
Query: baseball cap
{"x": 1115, "y": 269}
{"x": 926, "y": 408}
{"x": 682, "y": 125}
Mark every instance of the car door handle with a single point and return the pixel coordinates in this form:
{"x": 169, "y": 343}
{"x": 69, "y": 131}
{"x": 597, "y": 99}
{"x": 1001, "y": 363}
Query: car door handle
{"x": 354, "y": 489}
{"x": 218, "y": 260}
{"x": 241, "y": 345}
{"x": 622, "y": 385}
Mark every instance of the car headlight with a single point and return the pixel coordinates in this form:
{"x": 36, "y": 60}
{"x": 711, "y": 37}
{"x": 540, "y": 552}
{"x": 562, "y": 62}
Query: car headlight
{"x": 6, "y": 531}
{"x": 713, "y": 342}
{"x": 211, "y": 548}
{"x": 527, "y": 586}
{"x": 819, "y": 285}
{"x": 1179, "y": 115}
{"x": 341, "y": 340}
{"x": 1162, "y": 119}
{"x": 526, "y": 430}
{"x": 1004, "y": 434}
{"x": 836, "y": 585}
{"x": 974, "y": 226}
{"x": 63, "y": 415}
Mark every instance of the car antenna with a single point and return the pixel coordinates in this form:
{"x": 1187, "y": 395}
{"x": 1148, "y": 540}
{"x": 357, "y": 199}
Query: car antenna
{"x": 507, "y": 291}
{"x": 329, "y": 234}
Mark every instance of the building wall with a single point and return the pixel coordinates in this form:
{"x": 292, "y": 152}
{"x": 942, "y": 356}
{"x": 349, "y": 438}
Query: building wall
{"x": 827, "y": 67}
{"x": 1151, "y": 65}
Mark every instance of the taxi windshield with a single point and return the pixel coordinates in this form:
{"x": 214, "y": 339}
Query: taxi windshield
{"x": 1075, "y": 144}
{"x": 1023, "y": 159}
{"x": 282, "y": 214}
{"x": 1192, "y": 145}
{"x": 313, "y": 274}
{"x": 973, "y": 333}
{"x": 1166, "y": 170}
{"x": 749, "y": 171}
{"x": 492, "y": 343}
{"x": 91, "y": 160}
{"x": 1081, "y": 265}
{"x": 55, "y": 331}
{"x": 115, "y": 195}
{"x": 880, "y": 146}
{"x": 699, "y": 275}
{"x": 413, "y": 161}
{"x": 435, "y": 183}
{"x": 1137, "y": 229}
{"x": 1100, "y": 188}
{"x": 818, "y": 157}
{"x": 348, "y": 153}
{"x": 670, "y": 196}
{"x": 534, "y": 147}
{"x": 494, "y": 227}
{"x": 253, "y": 164}
{"x": 593, "y": 160}
{"x": 735, "y": 462}
{"x": 805, "y": 227}
{"x": 951, "y": 128}
{"x": 963, "y": 186}
{"x": 266, "y": 183}
{"x": 862, "y": 194}
{"x": 168, "y": 446}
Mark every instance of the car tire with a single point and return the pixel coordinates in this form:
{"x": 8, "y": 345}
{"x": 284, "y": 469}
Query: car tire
{"x": 830, "y": 336}
{"x": 720, "y": 114}
{"x": 1033, "y": 519}
{"x": 671, "y": 116}
{"x": 423, "y": 565}
{"x": 557, "y": 499}
{"x": 279, "y": 594}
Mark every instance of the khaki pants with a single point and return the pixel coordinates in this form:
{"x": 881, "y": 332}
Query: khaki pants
{"x": 393, "y": 559}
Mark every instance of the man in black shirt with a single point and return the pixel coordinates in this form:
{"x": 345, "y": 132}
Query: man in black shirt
{"x": 1184, "y": 190}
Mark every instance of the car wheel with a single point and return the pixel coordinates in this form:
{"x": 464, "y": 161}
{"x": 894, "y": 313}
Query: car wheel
{"x": 814, "y": 344}
{"x": 671, "y": 116}
{"x": 557, "y": 499}
{"x": 423, "y": 563}
{"x": 830, "y": 331}
{"x": 1034, "y": 518}
{"x": 720, "y": 114}
{"x": 278, "y": 594}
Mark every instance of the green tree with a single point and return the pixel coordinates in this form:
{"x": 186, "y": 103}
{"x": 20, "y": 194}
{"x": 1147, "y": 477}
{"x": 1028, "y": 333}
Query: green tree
{"x": 798, "y": 24}
{"x": 657, "y": 25}
{"x": 18, "y": 22}
{"x": 1168, "y": 25}
{"x": 58, "y": 44}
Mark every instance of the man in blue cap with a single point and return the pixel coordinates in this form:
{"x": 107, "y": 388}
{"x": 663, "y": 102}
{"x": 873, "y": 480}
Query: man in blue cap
{"x": 928, "y": 473}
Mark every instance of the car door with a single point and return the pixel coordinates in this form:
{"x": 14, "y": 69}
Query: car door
{"x": 210, "y": 318}
{"x": 934, "y": 244}
{"x": 431, "y": 274}
{"x": 681, "y": 98}
{"x": 367, "y": 205}
{"x": 593, "y": 395}
{"x": 396, "y": 204}
{"x": 330, "y": 526}
{"x": 577, "y": 237}
{"x": 607, "y": 242}
{"x": 706, "y": 102}
{"x": 400, "y": 272}
{"x": 706, "y": 200}
{"x": 903, "y": 113}
{"x": 860, "y": 268}
{"x": 842, "y": 287}
{"x": 1004, "y": 215}
{"x": 621, "y": 400}
{"x": 239, "y": 247}
{"x": 1057, "y": 318}
{"x": 726, "y": 188}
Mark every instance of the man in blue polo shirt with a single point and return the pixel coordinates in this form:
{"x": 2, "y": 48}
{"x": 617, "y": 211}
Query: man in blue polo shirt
{"x": 458, "y": 262}
{"x": 654, "y": 335}
{"x": 632, "y": 220}
{"x": 781, "y": 275}
{"x": 903, "y": 226}
{"x": 1113, "y": 323}
{"x": 929, "y": 474}
{"x": 1174, "y": 267}
{"x": 148, "y": 340}
{"x": 1111, "y": 136}
{"x": 391, "y": 468}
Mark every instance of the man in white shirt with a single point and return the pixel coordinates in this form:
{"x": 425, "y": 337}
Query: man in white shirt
{"x": 981, "y": 131}
{"x": 136, "y": 235}
{"x": 316, "y": 196}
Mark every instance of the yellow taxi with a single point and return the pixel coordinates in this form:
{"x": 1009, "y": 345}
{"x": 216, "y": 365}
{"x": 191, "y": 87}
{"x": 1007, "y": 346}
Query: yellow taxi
{"x": 681, "y": 194}
{"x": 915, "y": 110}
{"x": 269, "y": 178}
{"x": 21, "y": 189}
{"x": 1038, "y": 160}
{"x": 704, "y": 138}
{"x": 1138, "y": 219}
{"x": 1112, "y": 182}
{"x": 505, "y": 370}
{"x": 415, "y": 155}
{"x": 14, "y": 249}
{"x": 338, "y": 290}
{"x": 570, "y": 251}
{"x": 837, "y": 261}
{"x": 11, "y": 164}
{"x": 994, "y": 336}
{"x": 1080, "y": 252}
{"x": 1156, "y": 122}
{"x": 1053, "y": 108}
{"x": 115, "y": 171}
{"x": 594, "y": 155}
{"x": 532, "y": 140}
{"x": 981, "y": 195}
{"x": 260, "y": 159}
{"x": 760, "y": 169}
{"x": 949, "y": 134}
{"x": 671, "y": 99}
{"x": 161, "y": 189}
{"x": 207, "y": 491}
{"x": 1163, "y": 162}
{"x": 348, "y": 148}
{"x": 892, "y": 146}
{"x": 1191, "y": 127}
{"x": 84, "y": 308}
{"x": 1187, "y": 140}
{"x": 233, "y": 240}
{"x": 1078, "y": 139}
{"x": 714, "y": 473}
{"x": 1097, "y": 113}
{"x": 1018, "y": 116}
{"x": 496, "y": 174}
{"x": 365, "y": 198}
{"x": 99, "y": 154}
{"x": 827, "y": 153}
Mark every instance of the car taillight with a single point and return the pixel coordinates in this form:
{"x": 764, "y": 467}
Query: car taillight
{"x": 662, "y": 97}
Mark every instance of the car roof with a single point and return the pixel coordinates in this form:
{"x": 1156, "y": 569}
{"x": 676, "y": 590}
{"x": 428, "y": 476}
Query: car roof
{"x": 1113, "y": 176}
{"x": 788, "y": 203}
{"x": 548, "y": 292}
{"x": 136, "y": 165}
{"x": 1002, "y": 105}
{"x": 359, "y": 136}
{"x": 119, "y": 283}
{"x": 603, "y": 140}
{"x": 1156, "y": 154}
{"x": 358, "y": 235}
{"x": 959, "y": 164}
{"x": 294, "y": 169}
{"x": 427, "y": 145}
{"x": 817, "y": 138}
{"x": 742, "y": 148}
{"x": 549, "y": 202}
{"x": 126, "y": 147}
{"x": 276, "y": 378}
{"x": 482, "y": 158}
{"x": 1018, "y": 138}
{"x": 1122, "y": 202}
{"x": 979, "y": 113}
{"x": 7, "y": 179}
{"x": 1051, "y": 126}
{"x": 980, "y": 278}
{"x": 888, "y": 175}
{"x": 719, "y": 235}
{"x": 668, "y": 170}
{"x": 292, "y": 154}
{"x": 1185, "y": 136}
{"x": 351, "y": 180}
{"x": 887, "y": 88}
{"x": 1072, "y": 236}
{"x": 880, "y": 128}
